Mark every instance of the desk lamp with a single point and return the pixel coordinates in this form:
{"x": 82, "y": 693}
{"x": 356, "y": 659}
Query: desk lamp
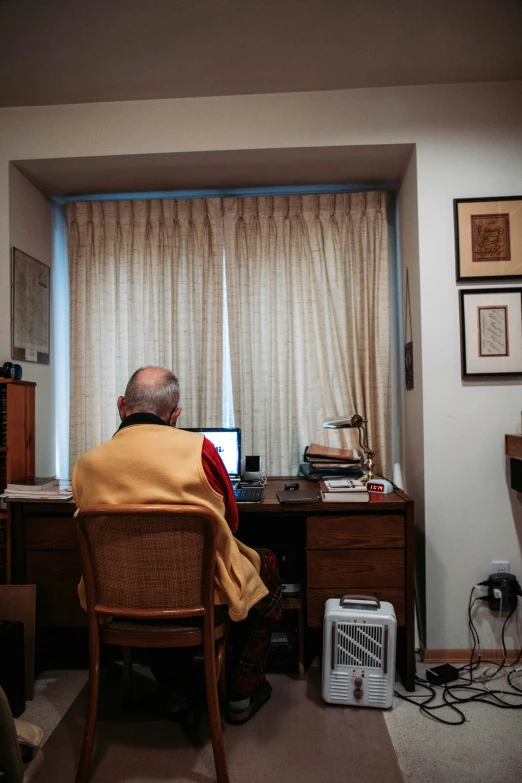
{"x": 356, "y": 422}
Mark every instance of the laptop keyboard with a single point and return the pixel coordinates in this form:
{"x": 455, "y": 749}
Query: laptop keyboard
{"x": 249, "y": 494}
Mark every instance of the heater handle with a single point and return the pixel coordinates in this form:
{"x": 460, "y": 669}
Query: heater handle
{"x": 360, "y": 602}
{"x": 333, "y": 650}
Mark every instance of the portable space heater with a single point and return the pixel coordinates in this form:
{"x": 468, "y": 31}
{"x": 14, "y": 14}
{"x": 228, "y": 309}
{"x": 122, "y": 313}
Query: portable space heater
{"x": 359, "y": 651}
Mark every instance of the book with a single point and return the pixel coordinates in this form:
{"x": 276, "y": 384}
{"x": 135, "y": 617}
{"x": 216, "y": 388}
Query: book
{"x": 316, "y": 474}
{"x": 320, "y": 465}
{"x": 298, "y": 496}
{"x": 316, "y": 451}
{"x": 33, "y": 484}
{"x": 343, "y": 485}
{"x": 345, "y": 497}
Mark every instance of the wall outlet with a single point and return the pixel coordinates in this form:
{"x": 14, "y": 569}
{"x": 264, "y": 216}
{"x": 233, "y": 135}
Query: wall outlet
{"x": 499, "y": 567}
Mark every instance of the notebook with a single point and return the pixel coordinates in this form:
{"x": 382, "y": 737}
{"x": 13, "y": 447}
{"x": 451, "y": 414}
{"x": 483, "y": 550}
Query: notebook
{"x": 298, "y": 496}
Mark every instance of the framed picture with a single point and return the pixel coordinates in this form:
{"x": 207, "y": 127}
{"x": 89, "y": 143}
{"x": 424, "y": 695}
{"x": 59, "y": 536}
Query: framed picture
{"x": 491, "y": 331}
{"x": 30, "y": 309}
{"x": 488, "y": 238}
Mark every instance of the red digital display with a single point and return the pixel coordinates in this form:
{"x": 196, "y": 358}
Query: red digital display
{"x": 376, "y": 487}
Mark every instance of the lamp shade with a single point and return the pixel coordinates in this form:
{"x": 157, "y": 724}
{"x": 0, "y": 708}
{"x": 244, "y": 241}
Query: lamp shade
{"x": 339, "y": 424}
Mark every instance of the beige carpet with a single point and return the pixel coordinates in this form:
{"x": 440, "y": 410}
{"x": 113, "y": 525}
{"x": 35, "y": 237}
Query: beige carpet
{"x": 295, "y": 738}
{"x": 485, "y": 749}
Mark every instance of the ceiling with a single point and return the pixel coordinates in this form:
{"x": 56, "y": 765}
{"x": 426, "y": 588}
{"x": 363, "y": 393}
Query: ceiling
{"x": 73, "y": 51}
{"x": 383, "y": 164}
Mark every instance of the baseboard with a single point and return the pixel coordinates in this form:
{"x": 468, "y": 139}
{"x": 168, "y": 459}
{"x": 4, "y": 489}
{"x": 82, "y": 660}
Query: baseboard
{"x": 462, "y": 656}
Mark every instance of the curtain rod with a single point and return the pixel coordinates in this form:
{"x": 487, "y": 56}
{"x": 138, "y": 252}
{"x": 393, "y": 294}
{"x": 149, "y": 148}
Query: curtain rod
{"x": 281, "y": 190}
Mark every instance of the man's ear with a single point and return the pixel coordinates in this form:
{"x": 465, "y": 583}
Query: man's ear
{"x": 174, "y": 417}
{"x": 121, "y": 407}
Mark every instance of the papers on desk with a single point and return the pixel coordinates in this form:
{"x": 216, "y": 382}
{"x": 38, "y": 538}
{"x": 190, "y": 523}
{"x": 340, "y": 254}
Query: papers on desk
{"x": 37, "y": 496}
{"x": 62, "y": 491}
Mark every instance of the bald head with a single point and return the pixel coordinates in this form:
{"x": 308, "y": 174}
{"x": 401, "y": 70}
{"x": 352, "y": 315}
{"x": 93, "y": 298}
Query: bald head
{"x": 151, "y": 390}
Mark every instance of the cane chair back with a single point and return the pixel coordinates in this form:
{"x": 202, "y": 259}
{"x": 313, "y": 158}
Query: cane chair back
{"x": 148, "y": 560}
{"x": 154, "y": 563}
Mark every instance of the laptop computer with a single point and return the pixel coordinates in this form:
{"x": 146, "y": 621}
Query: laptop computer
{"x": 227, "y": 441}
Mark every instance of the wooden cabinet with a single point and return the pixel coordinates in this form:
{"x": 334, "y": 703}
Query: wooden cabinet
{"x": 17, "y": 424}
{"x": 366, "y": 551}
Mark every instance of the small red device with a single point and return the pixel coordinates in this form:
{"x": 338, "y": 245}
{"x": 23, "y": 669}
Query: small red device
{"x": 381, "y": 486}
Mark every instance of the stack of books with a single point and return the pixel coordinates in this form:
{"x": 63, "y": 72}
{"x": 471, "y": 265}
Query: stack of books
{"x": 344, "y": 490}
{"x": 329, "y": 461}
{"x": 38, "y": 488}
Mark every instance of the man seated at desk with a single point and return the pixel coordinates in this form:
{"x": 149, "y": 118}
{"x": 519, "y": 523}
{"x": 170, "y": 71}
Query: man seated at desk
{"x": 148, "y": 460}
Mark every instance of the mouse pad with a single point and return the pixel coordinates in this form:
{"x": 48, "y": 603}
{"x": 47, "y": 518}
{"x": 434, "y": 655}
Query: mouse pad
{"x": 298, "y": 496}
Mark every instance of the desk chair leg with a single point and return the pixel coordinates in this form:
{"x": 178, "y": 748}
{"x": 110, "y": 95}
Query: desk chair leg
{"x": 221, "y": 670}
{"x": 214, "y": 713}
{"x": 84, "y": 764}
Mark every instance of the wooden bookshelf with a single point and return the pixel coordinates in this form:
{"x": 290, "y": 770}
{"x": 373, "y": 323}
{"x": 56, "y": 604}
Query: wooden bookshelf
{"x": 17, "y": 433}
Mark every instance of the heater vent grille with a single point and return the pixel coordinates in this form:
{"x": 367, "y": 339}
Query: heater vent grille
{"x": 339, "y": 686}
{"x": 360, "y": 645}
{"x": 377, "y": 688}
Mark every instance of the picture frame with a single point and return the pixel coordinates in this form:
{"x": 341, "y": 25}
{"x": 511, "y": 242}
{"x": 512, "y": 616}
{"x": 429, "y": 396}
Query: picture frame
{"x": 491, "y": 332}
{"x": 488, "y": 238}
{"x": 30, "y": 309}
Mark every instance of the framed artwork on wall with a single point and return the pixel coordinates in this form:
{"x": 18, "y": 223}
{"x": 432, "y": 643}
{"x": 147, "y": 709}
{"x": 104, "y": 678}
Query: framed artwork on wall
{"x": 488, "y": 238}
{"x": 30, "y": 309}
{"x": 491, "y": 332}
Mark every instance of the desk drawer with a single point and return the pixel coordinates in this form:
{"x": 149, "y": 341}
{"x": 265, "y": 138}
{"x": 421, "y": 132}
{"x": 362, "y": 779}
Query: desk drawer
{"x": 357, "y": 568}
{"x": 316, "y": 599}
{"x": 360, "y": 531}
{"x": 50, "y": 533}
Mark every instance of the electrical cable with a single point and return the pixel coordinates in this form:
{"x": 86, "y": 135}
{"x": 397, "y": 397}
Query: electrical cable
{"x": 452, "y": 694}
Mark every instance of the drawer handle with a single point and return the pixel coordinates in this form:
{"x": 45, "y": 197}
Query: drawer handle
{"x": 360, "y": 602}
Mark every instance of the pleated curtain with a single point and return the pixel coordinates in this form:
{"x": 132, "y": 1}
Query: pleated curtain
{"x": 145, "y": 289}
{"x": 309, "y": 321}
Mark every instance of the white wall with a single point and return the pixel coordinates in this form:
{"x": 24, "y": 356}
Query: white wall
{"x": 472, "y": 517}
{"x": 468, "y": 143}
{"x": 30, "y": 230}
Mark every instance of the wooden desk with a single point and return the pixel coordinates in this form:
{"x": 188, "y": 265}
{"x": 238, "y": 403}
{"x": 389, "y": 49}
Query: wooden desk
{"x": 349, "y": 547}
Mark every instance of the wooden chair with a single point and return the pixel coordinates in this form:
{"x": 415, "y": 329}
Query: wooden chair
{"x": 148, "y": 562}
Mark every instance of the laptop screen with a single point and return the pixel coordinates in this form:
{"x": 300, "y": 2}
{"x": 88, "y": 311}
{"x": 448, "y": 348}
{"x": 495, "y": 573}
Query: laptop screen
{"x": 228, "y": 443}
